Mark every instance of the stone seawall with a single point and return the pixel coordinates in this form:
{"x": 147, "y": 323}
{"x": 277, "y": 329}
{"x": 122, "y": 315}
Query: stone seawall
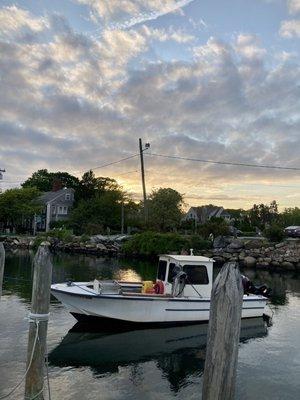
{"x": 257, "y": 253}
{"x": 253, "y": 253}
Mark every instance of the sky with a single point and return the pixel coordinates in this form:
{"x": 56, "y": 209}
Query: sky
{"x": 82, "y": 80}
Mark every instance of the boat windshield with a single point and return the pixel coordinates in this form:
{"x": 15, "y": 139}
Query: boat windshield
{"x": 161, "y": 271}
{"x": 196, "y": 274}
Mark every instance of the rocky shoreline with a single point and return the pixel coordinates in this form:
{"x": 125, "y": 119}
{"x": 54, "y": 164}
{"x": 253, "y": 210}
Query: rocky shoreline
{"x": 252, "y": 253}
{"x": 257, "y": 253}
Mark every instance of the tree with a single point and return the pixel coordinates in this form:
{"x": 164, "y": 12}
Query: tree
{"x": 90, "y": 186}
{"x": 290, "y": 216}
{"x": 43, "y": 180}
{"x": 263, "y": 214}
{"x": 18, "y": 206}
{"x": 94, "y": 215}
{"x": 165, "y": 209}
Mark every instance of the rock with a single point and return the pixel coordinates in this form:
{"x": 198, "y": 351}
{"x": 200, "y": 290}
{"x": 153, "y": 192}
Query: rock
{"x": 287, "y": 265}
{"x": 101, "y": 246}
{"x": 262, "y": 265}
{"x": 220, "y": 242}
{"x": 249, "y": 261}
{"x": 236, "y": 244}
{"x": 253, "y": 244}
{"x": 275, "y": 264}
{"x": 279, "y": 245}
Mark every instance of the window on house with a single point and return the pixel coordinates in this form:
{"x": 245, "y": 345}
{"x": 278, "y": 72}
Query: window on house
{"x": 65, "y": 210}
{"x": 60, "y": 210}
{"x": 68, "y": 196}
{"x": 53, "y": 209}
{"x": 196, "y": 274}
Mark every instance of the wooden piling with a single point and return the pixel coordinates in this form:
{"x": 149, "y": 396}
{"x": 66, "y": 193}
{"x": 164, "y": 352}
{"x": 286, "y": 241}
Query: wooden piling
{"x": 2, "y": 263}
{"x": 38, "y": 323}
{"x": 223, "y": 335}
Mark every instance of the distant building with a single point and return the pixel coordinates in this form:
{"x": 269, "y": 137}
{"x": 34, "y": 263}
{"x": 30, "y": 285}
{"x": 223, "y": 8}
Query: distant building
{"x": 58, "y": 204}
{"x": 204, "y": 213}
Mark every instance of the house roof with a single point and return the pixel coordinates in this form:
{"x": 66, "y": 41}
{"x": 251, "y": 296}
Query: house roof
{"x": 210, "y": 211}
{"x": 50, "y": 196}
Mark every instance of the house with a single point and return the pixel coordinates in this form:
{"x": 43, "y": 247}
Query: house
{"x": 204, "y": 213}
{"x": 57, "y": 207}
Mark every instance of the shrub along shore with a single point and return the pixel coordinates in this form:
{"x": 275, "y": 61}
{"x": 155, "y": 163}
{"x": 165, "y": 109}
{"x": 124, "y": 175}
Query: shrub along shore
{"x": 253, "y": 252}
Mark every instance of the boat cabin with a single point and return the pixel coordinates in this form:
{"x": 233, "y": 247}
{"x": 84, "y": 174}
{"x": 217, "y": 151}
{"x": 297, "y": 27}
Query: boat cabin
{"x": 198, "y": 269}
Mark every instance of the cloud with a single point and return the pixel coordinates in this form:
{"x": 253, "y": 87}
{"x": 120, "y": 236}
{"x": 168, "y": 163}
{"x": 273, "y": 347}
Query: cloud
{"x": 72, "y": 102}
{"x": 124, "y": 14}
{"x": 163, "y": 35}
{"x": 14, "y": 19}
{"x": 290, "y": 28}
{"x": 293, "y": 6}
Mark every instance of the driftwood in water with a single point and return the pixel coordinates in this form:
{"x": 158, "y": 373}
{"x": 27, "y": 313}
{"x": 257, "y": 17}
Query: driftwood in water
{"x": 38, "y": 323}
{"x": 223, "y": 335}
{"x": 2, "y": 263}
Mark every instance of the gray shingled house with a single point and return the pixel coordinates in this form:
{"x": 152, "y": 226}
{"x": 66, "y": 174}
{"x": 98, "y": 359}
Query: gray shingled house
{"x": 57, "y": 204}
{"x": 205, "y": 213}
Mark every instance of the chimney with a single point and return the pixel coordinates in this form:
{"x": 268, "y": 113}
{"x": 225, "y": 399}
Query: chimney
{"x": 57, "y": 185}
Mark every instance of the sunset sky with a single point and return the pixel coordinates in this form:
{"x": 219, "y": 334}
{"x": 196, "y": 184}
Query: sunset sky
{"x": 82, "y": 80}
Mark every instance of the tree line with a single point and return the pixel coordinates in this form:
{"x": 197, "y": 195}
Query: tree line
{"x": 100, "y": 203}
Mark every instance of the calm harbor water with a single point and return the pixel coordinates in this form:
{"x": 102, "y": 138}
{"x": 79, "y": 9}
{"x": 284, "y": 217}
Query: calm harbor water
{"x": 144, "y": 364}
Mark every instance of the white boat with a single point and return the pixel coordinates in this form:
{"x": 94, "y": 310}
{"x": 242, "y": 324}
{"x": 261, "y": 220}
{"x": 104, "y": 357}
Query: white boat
{"x": 181, "y": 295}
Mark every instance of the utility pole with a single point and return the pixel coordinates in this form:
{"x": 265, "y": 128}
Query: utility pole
{"x": 122, "y": 218}
{"x": 143, "y": 175}
{"x": 1, "y": 176}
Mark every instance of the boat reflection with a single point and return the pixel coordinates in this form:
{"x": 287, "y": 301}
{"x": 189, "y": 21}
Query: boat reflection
{"x": 178, "y": 352}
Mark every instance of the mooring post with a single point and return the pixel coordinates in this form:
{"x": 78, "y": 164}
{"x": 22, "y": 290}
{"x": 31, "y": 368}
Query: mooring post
{"x": 223, "y": 335}
{"x": 38, "y": 323}
{"x": 2, "y": 263}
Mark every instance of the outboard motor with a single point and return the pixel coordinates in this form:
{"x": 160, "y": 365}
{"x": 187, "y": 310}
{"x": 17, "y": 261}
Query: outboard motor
{"x": 178, "y": 283}
{"x": 249, "y": 287}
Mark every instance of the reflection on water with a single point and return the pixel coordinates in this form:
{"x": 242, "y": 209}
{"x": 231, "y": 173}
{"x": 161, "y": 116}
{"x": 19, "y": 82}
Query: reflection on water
{"x": 178, "y": 351}
{"x": 163, "y": 363}
{"x": 19, "y": 272}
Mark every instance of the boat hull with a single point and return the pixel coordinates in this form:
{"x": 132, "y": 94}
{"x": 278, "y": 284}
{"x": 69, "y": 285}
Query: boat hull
{"x": 145, "y": 309}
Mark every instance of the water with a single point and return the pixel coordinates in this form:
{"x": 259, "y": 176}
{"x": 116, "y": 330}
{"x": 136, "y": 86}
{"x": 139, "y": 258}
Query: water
{"x": 144, "y": 364}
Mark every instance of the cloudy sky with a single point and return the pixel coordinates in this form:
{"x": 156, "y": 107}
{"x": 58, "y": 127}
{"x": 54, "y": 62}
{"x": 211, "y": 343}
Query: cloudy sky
{"x": 82, "y": 80}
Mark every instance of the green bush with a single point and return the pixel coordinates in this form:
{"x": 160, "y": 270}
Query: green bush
{"x": 197, "y": 242}
{"x": 62, "y": 234}
{"x": 274, "y": 233}
{"x": 38, "y": 240}
{"x": 85, "y": 238}
{"x": 58, "y": 224}
{"x": 220, "y": 228}
{"x": 152, "y": 243}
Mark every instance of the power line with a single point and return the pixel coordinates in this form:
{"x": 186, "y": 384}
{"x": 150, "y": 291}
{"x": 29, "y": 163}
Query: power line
{"x": 224, "y": 162}
{"x": 128, "y": 172}
{"x": 111, "y": 163}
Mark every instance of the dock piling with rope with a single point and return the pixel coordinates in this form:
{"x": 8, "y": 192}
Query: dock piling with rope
{"x": 223, "y": 335}
{"x": 38, "y": 324}
{"x": 2, "y": 264}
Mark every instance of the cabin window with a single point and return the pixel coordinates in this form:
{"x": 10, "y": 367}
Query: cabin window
{"x": 171, "y": 273}
{"x": 161, "y": 272}
{"x": 196, "y": 274}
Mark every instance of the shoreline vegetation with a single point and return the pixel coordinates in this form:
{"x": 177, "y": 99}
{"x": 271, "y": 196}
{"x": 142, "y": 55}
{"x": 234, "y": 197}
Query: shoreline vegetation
{"x": 249, "y": 252}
